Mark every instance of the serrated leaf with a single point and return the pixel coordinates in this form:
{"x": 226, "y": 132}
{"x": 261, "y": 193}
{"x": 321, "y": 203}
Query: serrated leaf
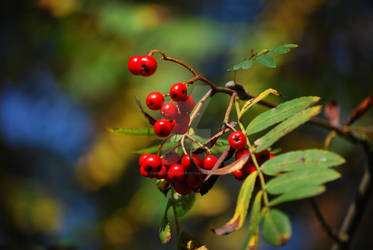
{"x": 276, "y": 228}
{"x": 301, "y": 193}
{"x": 295, "y": 180}
{"x": 183, "y": 203}
{"x": 257, "y": 99}
{"x": 266, "y": 60}
{"x": 255, "y": 218}
{"x": 301, "y": 159}
{"x": 132, "y": 131}
{"x": 280, "y": 113}
{"x": 242, "y": 206}
{"x": 286, "y": 127}
{"x": 154, "y": 149}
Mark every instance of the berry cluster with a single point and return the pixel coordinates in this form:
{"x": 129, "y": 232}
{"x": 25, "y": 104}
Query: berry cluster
{"x": 142, "y": 65}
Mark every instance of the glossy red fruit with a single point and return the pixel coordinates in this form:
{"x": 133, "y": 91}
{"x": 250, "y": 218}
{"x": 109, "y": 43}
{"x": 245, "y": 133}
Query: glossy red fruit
{"x": 237, "y": 140}
{"x": 209, "y": 161}
{"x": 176, "y": 173}
{"x": 178, "y": 92}
{"x": 142, "y": 158}
{"x": 272, "y": 156}
{"x": 143, "y": 172}
{"x": 241, "y": 153}
{"x": 239, "y": 174}
{"x": 148, "y": 65}
{"x": 262, "y": 156}
{"x": 162, "y": 173}
{"x": 154, "y": 100}
{"x": 182, "y": 188}
{"x": 169, "y": 111}
{"x": 134, "y": 65}
{"x": 162, "y": 127}
{"x": 152, "y": 165}
{"x": 186, "y": 161}
{"x": 187, "y": 105}
{"x": 182, "y": 124}
{"x": 170, "y": 159}
{"x": 249, "y": 168}
{"x": 194, "y": 180}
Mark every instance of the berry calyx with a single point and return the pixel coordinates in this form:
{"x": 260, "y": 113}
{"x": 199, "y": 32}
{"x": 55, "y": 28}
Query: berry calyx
{"x": 209, "y": 162}
{"x": 187, "y": 162}
{"x": 178, "y": 92}
{"x": 142, "y": 158}
{"x": 169, "y": 111}
{"x": 154, "y": 100}
{"x": 237, "y": 140}
{"x": 148, "y": 65}
{"x": 182, "y": 188}
{"x": 134, "y": 65}
{"x": 176, "y": 173}
{"x": 152, "y": 165}
{"x": 162, "y": 127}
{"x": 187, "y": 105}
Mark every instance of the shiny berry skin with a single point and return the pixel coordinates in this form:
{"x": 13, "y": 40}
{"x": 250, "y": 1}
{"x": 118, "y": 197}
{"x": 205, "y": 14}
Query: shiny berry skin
{"x": 176, "y": 173}
{"x": 147, "y": 64}
{"x": 134, "y": 65}
{"x": 186, "y": 161}
{"x": 239, "y": 174}
{"x": 162, "y": 127}
{"x": 237, "y": 140}
{"x": 272, "y": 156}
{"x": 209, "y": 162}
{"x": 144, "y": 173}
{"x": 162, "y": 173}
{"x": 182, "y": 188}
{"x": 142, "y": 158}
{"x": 152, "y": 165}
{"x": 178, "y": 92}
{"x": 241, "y": 153}
{"x": 170, "y": 159}
{"x": 169, "y": 111}
{"x": 154, "y": 101}
{"x": 187, "y": 105}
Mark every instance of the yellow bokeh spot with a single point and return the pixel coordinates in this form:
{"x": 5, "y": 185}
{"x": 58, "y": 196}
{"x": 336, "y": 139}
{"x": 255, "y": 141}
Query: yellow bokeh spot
{"x": 59, "y": 8}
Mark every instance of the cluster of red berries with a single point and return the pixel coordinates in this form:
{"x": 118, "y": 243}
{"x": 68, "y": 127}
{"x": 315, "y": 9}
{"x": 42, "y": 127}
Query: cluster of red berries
{"x": 180, "y": 172}
{"x": 142, "y": 65}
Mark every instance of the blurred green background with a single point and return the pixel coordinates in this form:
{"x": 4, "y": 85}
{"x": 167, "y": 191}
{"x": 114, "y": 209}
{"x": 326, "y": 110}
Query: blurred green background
{"x": 66, "y": 182}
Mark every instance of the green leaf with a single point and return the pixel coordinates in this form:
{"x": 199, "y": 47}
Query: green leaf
{"x": 276, "y": 228}
{"x": 301, "y": 193}
{"x": 241, "y": 207}
{"x": 154, "y": 149}
{"x": 165, "y": 229}
{"x": 255, "y": 218}
{"x": 283, "y": 49}
{"x": 295, "y": 180}
{"x": 257, "y": 99}
{"x": 183, "y": 203}
{"x": 301, "y": 159}
{"x": 290, "y": 45}
{"x": 286, "y": 127}
{"x": 266, "y": 60}
{"x": 242, "y": 65}
{"x": 132, "y": 131}
{"x": 280, "y": 113}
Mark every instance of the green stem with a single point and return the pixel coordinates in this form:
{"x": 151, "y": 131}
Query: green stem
{"x": 251, "y": 149}
{"x": 177, "y": 225}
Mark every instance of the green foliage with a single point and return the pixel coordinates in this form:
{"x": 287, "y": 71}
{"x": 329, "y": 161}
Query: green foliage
{"x": 154, "y": 149}
{"x": 300, "y": 193}
{"x": 280, "y": 113}
{"x": 183, "y": 203}
{"x": 164, "y": 229}
{"x": 276, "y": 228}
{"x": 296, "y": 160}
{"x": 132, "y": 131}
{"x": 266, "y": 60}
{"x": 283, "y": 49}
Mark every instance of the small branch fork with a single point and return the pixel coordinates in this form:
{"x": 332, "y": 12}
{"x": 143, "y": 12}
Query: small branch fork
{"x": 237, "y": 91}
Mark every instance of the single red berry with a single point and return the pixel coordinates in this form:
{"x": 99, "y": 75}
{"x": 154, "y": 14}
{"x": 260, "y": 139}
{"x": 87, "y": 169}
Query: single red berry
{"x": 162, "y": 173}
{"x": 187, "y": 105}
{"x": 209, "y": 161}
{"x": 241, "y": 153}
{"x": 152, "y": 165}
{"x": 262, "y": 156}
{"x": 239, "y": 174}
{"x": 194, "y": 180}
{"x": 178, "y": 92}
{"x": 272, "y": 156}
{"x": 186, "y": 161}
{"x": 170, "y": 159}
{"x": 134, "y": 65}
{"x": 154, "y": 100}
{"x": 148, "y": 65}
{"x": 143, "y": 172}
{"x": 162, "y": 127}
{"x": 249, "y": 168}
{"x": 176, "y": 173}
{"x": 182, "y": 188}
{"x": 142, "y": 158}
{"x": 237, "y": 140}
{"x": 169, "y": 111}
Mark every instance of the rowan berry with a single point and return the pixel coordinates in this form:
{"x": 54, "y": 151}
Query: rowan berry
{"x": 237, "y": 140}
{"x": 186, "y": 161}
{"x": 154, "y": 100}
{"x": 162, "y": 127}
{"x": 176, "y": 173}
{"x": 169, "y": 111}
{"x": 209, "y": 161}
{"x": 182, "y": 188}
{"x": 187, "y": 105}
{"x": 148, "y": 65}
{"x": 178, "y": 92}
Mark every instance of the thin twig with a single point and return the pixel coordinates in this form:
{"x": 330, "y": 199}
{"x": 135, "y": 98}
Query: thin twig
{"x": 197, "y": 142}
{"x": 183, "y": 143}
{"x": 199, "y": 106}
{"x": 229, "y": 109}
{"x": 161, "y": 145}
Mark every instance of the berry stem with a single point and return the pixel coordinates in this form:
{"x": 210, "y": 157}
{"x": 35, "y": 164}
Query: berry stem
{"x": 199, "y": 144}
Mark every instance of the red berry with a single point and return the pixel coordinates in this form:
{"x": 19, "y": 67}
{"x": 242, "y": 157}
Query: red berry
{"x": 162, "y": 173}
{"x": 142, "y": 158}
{"x": 241, "y": 153}
{"x": 272, "y": 156}
{"x": 169, "y": 111}
{"x": 154, "y": 100}
{"x": 239, "y": 174}
{"x": 182, "y": 188}
{"x": 237, "y": 140}
{"x": 186, "y": 161}
{"x": 182, "y": 124}
{"x": 209, "y": 161}
{"x": 170, "y": 159}
{"x": 134, "y": 65}
{"x": 176, "y": 173}
{"x": 262, "y": 156}
{"x": 162, "y": 127}
{"x": 249, "y": 168}
{"x": 147, "y": 65}
{"x": 187, "y": 105}
{"x": 178, "y": 92}
{"x": 152, "y": 165}
{"x": 143, "y": 172}
{"x": 194, "y": 180}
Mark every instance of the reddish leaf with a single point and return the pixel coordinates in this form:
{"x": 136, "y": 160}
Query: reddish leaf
{"x": 360, "y": 110}
{"x": 331, "y": 111}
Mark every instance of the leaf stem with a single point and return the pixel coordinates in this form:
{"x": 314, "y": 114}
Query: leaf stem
{"x": 177, "y": 225}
